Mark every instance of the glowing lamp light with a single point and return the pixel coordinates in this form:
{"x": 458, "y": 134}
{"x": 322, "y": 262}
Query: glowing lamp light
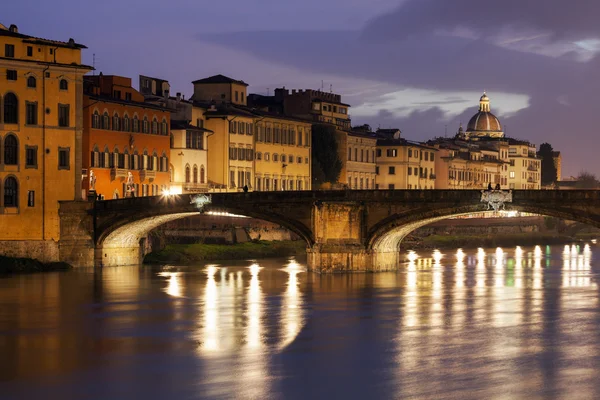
{"x": 412, "y": 256}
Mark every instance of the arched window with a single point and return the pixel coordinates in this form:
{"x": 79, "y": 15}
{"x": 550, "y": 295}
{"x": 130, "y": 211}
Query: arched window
{"x": 31, "y": 82}
{"x": 11, "y": 150}
{"x": 283, "y": 158}
{"x": 136, "y": 124}
{"x": 116, "y": 122}
{"x": 64, "y": 85}
{"x": 105, "y": 121}
{"x": 126, "y": 125}
{"x": 202, "y": 174}
{"x": 11, "y": 109}
{"x": 11, "y": 192}
{"x": 195, "y": 174}
{"x": 275, "y": 157}
{"x": 187, "y": 174}
{"x": 154, "y": 126}
{"x": 145, "y": 125}
{"x": 96, "y": 120}
{"x": 164, "y": 130}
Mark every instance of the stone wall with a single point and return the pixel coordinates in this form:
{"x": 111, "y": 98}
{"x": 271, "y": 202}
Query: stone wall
{"x": 44, "y": 251}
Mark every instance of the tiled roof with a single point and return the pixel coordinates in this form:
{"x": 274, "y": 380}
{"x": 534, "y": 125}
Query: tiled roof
{"x": 36, "y": 40}
{"x": 220, "y": 79}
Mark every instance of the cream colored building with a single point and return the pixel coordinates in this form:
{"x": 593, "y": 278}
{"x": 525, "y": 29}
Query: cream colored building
{"x": 524, "y": 171}
{"x": 357, "y": 153}
{"x": 189, "y": 158}
{"x": 402, "y": 164}
{"x": 282, "y": 160}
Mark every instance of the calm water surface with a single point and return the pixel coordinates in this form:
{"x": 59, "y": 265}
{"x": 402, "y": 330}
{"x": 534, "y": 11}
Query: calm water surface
{"x": 489, "y": 324}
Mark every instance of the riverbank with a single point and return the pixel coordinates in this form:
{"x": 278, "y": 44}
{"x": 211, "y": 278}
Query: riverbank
{"x": 191, "y": 253}
{"x": 504, "y": 240}
{"x": 12, "y": 265}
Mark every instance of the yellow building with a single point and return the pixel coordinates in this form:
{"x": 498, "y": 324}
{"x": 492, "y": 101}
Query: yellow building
{"x": 402, "y": 164}
{"x": 41, "y": 91}
{"x": 282, "y": 159}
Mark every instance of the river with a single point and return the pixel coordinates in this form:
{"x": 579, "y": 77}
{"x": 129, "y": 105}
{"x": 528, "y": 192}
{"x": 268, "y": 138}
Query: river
{"x": 506, "y": 323}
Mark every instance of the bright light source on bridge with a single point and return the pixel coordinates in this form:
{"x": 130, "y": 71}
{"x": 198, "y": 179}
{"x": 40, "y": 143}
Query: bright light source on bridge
{"x": 594, "y": 241}
{"x": 172, "y": 191}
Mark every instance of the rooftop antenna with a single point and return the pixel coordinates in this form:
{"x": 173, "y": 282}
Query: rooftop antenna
{"x": 330, "y": 88}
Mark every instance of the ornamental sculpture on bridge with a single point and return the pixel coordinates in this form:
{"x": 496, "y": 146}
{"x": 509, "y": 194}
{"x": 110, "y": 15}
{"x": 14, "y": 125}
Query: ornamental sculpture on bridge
{"x": 200, "y": 200}
{"x": 496, "y": 198}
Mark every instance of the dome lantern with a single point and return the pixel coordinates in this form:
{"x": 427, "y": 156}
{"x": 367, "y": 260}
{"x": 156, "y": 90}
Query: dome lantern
{"x": 484, "y": 103}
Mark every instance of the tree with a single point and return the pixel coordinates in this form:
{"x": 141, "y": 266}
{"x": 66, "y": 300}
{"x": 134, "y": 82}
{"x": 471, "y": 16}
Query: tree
{"x": 587, "y": 180}
{"x": 548, "y": 167}
{"x": 326, "y": 166}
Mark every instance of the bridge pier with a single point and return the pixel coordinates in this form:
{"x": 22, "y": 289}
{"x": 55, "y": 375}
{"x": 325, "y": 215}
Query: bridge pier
{"x": 350, "y": 258}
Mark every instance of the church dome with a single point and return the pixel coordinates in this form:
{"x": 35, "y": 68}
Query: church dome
{"x": 484, "y": 123}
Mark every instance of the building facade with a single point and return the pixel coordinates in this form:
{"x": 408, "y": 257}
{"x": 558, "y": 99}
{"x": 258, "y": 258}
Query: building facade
{"x": 41, "y": 87}
{"x": 402, "y": 164}
{"x": 283, "y": 159}
{"x": 126, "y": 140}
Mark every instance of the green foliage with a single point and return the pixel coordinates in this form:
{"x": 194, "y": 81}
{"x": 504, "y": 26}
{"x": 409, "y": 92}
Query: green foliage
{"x": 190, "y": 253}
{"x": 549, "y": 173}
{"x": 326, "y": 166}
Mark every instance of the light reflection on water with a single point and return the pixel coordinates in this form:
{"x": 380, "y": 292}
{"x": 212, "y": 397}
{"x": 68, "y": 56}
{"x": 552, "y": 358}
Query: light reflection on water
{"x": 470, "y": 323}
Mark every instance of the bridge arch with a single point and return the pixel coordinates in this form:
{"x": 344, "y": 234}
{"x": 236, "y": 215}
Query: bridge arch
{"x": 387, "y": 235}
{"x": 119, "y": 237}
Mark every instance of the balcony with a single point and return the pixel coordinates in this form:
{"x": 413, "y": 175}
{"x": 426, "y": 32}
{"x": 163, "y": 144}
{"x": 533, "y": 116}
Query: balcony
{"x": 147, "y": 174}
{"x": 194, "y": 187}
{"x": 530, "y": 180}
{"x": 532, "y": 168}
{"x": 116, "y": 173}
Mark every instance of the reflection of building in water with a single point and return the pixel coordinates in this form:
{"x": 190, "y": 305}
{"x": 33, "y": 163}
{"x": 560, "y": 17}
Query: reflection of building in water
{"x": 292, "y": 318}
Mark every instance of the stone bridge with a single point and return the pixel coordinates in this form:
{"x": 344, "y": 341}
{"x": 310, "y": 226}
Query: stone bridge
{"x": 344, "y": 230}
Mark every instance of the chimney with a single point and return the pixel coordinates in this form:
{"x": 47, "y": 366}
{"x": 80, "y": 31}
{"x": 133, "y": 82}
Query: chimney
{"x": 178, "y": 96}
{"x": 13, "y": 28}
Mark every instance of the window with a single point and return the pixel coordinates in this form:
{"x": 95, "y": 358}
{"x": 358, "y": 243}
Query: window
{"x": 11, "y": 109}
{"x": 187, "y": 174}
{"x": 11, "y": 192}
{"x": 275, "y": 157}
{"x": 29, "y": 51}
{"x": 63, "y": 85}
{"x": 299, "y": 160}
{"x": 267, "y": 156}
{"x": 410, "y": 152}
{"x": 96, "y": 120}
{"x": 105, "y": 121}
{"x": 392, "y": 170}
{"x": 154, "y": 126}
{"x": 146, "y": 125}
{"x": 283, "y": 158}
{"x": 202, "y": 175}
{"x": 376, "y": 170}
{"x": 392, "y": 152}
{"x": 431, "y": 157}
{"x": 409, "y": 171}
{"x": 31, "y": 113}
{"x": 392, "y": 186}
{"x": 30, "y": 157}
{"x": 116, "y": 125}
{"x": 512, "y": 174}
{"x": 63, "y": 158}
{"x": 136, "y": 124}
{"x": 232, "y": 126}
{"x": 63, "y": 115}
{"x": 128, "y": 96}
{"x": 31, "y": 198}
{"x": 195, "y": 174}
{"x": 9, "y": 50}
{"x": 163, "y": 127}
{"x": 236, "y": 96}
{"x": 232, "y": 179}
{"x": 378, "y": 153}
{"x": 232, "y": 153}
{"x": 31, "y": 82}
{"x": 11, "y": 150}
{"x": 126, "y": 126}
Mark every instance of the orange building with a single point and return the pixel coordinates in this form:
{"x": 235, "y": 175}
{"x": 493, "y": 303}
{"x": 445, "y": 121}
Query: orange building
{"x": 126, "y": 141}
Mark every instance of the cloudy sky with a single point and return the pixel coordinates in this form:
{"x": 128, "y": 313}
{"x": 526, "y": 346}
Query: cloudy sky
{"x": 419, "y": 65}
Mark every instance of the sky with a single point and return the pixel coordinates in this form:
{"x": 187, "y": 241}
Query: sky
{"x": 416, "y": 65}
